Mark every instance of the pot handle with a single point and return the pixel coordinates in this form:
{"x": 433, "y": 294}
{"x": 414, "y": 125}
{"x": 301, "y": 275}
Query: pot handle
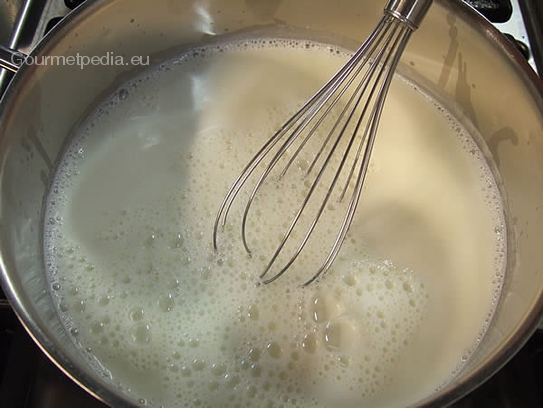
{"x": 11, "y": 59}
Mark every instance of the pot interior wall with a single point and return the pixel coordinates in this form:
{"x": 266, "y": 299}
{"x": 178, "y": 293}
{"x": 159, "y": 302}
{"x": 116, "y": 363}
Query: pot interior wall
{"x": 453, "y": 52}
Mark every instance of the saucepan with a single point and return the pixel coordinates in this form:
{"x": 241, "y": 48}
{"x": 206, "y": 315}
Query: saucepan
{"x": 456, "y": 52}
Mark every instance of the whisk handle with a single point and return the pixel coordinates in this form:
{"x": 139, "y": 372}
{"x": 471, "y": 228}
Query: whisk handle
{"x": 411, "y": 12}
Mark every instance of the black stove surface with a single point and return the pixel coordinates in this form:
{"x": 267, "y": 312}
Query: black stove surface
{"x": 497, "y": 11}
{"x": 30, "y": 380}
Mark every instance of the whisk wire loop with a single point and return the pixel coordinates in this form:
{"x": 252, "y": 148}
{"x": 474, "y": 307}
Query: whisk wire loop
{"x": 406, "y": 33}
{"x": 357, "y": 92}
{"x": 370, "y": 132}
{"x": 348, "y": 111}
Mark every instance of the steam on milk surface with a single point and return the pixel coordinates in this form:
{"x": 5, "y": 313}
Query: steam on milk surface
{"x": 128, "y": 243}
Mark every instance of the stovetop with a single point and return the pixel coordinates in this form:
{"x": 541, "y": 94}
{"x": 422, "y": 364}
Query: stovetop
{"x": 30, "y": 380}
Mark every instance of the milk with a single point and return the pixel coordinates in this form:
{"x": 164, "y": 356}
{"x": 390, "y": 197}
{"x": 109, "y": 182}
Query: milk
{"x": 128, "y": 240}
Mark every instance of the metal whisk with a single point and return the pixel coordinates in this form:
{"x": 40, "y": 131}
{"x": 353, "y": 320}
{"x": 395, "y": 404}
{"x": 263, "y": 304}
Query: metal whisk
{"x": 337, "y": 126}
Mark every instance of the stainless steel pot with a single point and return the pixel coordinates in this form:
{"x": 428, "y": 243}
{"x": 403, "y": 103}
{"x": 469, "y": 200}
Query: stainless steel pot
{"x": 455, "y": 52}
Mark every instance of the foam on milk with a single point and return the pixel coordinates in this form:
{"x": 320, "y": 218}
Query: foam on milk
{"x": 128, "y": 244}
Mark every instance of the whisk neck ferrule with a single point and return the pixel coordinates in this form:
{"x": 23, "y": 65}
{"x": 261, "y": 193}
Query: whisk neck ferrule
{"x": 411, "y": 12}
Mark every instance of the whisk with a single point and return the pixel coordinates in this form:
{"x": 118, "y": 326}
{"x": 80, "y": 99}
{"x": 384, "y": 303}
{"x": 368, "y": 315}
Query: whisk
{"x": 341, "y": 120}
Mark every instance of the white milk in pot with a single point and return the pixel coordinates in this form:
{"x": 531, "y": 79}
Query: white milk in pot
{"x": 128, "y": 244}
